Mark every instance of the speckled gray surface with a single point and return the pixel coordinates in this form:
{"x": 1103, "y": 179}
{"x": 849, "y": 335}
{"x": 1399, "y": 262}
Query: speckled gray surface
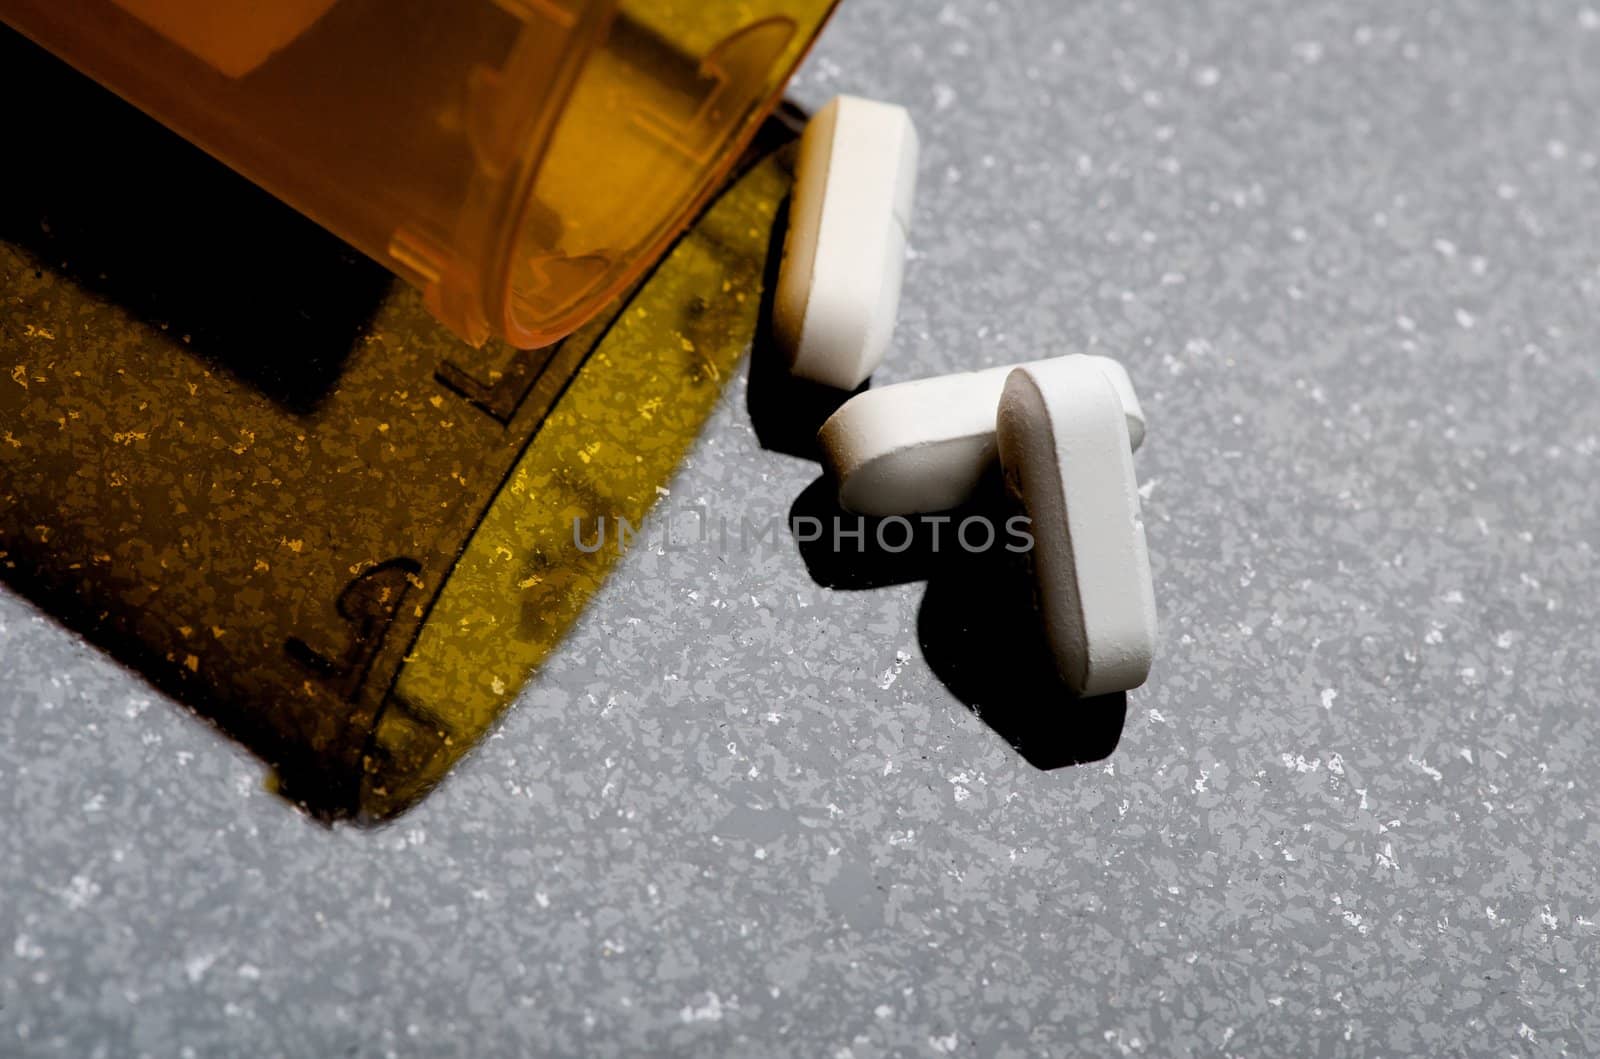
{"x": 1350, "y": 254}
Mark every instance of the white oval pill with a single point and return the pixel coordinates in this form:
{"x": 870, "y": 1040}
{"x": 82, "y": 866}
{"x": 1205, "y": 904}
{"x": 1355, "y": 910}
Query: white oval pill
{"x": 1063, "y": 442}
{"x": 849, "y": 217}
{"x": 924, "y": 445}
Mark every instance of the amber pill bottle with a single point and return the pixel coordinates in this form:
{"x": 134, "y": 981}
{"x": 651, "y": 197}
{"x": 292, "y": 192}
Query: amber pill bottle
{"x": 519, "y": 161}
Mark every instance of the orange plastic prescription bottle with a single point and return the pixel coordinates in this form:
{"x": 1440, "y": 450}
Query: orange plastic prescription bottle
{"x": 520, "y": 161}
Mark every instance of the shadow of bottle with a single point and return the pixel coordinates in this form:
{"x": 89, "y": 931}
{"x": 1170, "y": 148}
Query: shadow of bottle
{"x": 978, "y": 627}
{"x": 246, "y": 463}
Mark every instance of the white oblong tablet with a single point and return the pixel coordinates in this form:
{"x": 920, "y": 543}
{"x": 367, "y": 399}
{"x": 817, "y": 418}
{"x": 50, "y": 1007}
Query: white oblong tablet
{"x": 1063, "y": 442}
{"x": 849, "y": 218}
{"x": 924, "y": 445}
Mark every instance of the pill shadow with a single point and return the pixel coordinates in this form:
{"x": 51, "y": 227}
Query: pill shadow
{"x": 980, "y": 629}
{"x": 849, "y": 552}
{"x": 106, "y": 197}
{"x": 979, "y": 626}
{"x": 785, "y": 412}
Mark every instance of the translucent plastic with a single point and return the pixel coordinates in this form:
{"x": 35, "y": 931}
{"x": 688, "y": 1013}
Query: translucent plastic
{"x": 521, "y": 161}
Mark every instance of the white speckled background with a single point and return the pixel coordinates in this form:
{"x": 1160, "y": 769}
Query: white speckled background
{"x": 1351, "y": 255}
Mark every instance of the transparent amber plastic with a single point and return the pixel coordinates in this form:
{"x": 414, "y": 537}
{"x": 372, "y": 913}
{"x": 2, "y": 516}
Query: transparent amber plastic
{"x": 520, "y": 161}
